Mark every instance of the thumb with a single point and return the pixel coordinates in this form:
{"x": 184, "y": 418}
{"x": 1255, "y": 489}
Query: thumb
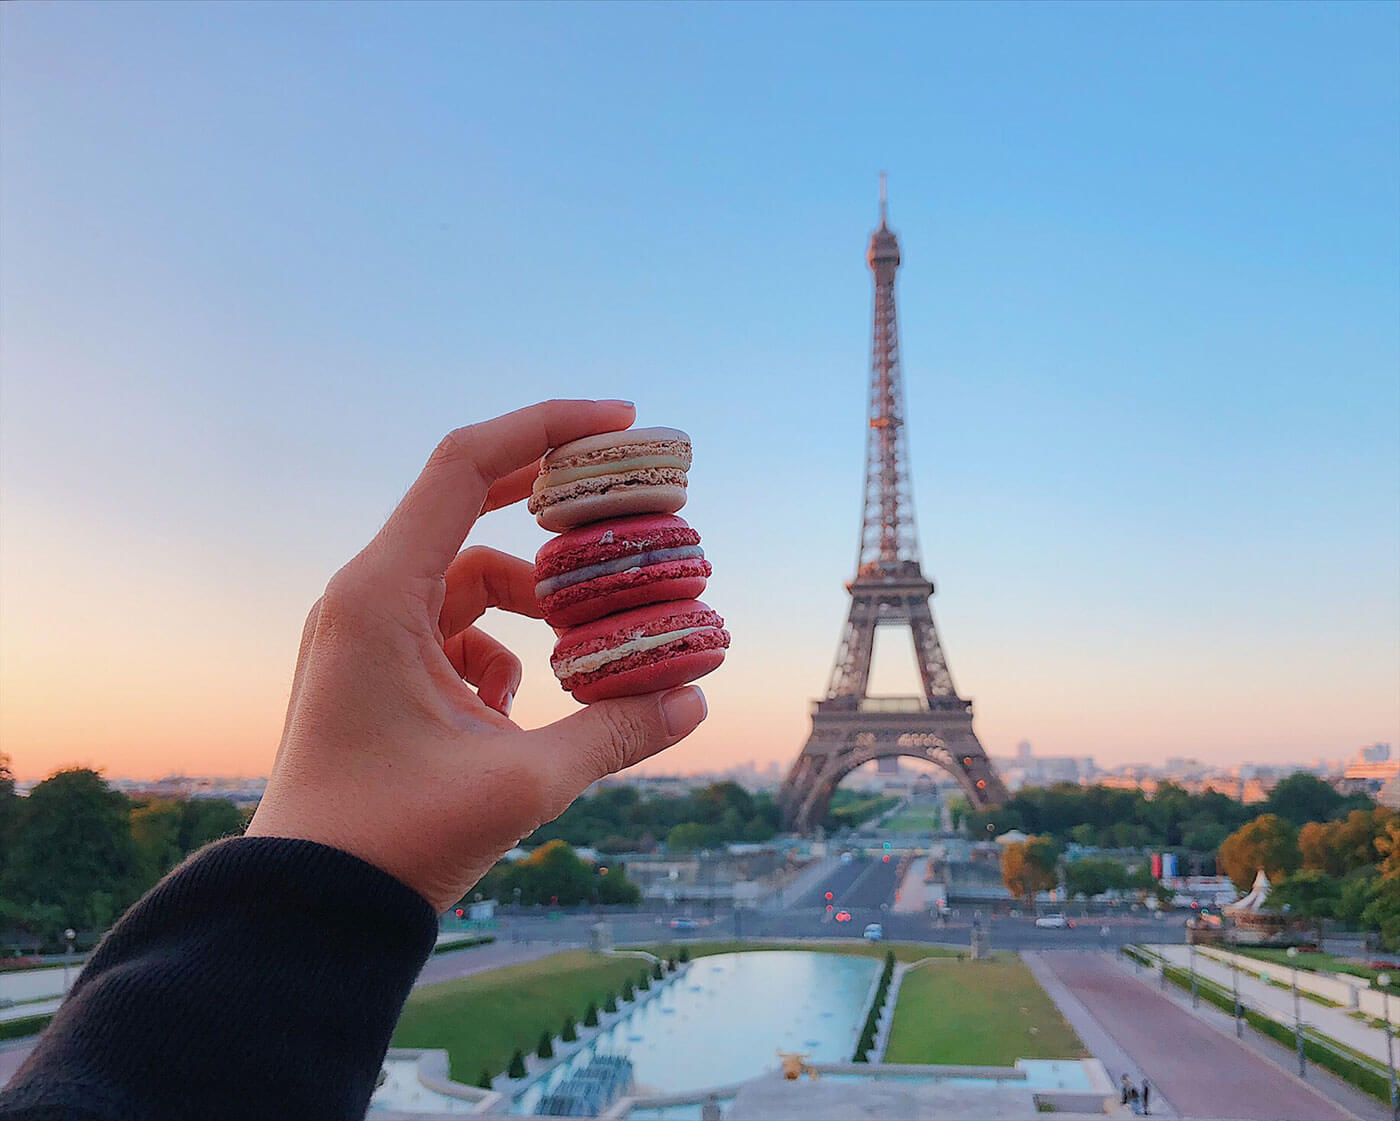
{"x": 609, "y": 736}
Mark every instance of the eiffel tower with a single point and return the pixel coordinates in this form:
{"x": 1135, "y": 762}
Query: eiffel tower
{"x": 850, "y": 727}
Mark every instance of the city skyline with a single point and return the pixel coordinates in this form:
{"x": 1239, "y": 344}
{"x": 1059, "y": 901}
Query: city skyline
{"x": 1152, "y": 410}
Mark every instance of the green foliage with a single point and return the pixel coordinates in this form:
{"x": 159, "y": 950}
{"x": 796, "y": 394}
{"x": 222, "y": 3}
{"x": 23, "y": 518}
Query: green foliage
{"x": 555, "y": 875}
{"x": 570, "y": 1032}
{"x": 1029, "y": 866}
{"x": 483, "y": 1081}
{"x": 657, "y": 973}
{"x": 644, "y": 981}
{"x": 517, "y": 1065}
{"x": 545, "y": 1048}
{"x": 610, "y": 1003}
{"x": 1301, "y": 798}
{"x": 850, "y": 808}
{"x": 1269, "y": 842}
{"x": 464, "y": 944}
{"x": 618, "y": 819}
{"x": 590, "y": 1018}
{"x": 683, "y": 956}
{"x": 872, "y": 1019}
{"x": 628, "y": 993}
{"x": 1309, "y": 894}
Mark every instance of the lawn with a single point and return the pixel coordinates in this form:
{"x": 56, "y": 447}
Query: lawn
{"x": 915, "y": 819}
{"x": 979, "y": 1013}
{"x": 903, "y": 951}
{"x": 481, "y": 1020}
{"x": 1316, "y": 963}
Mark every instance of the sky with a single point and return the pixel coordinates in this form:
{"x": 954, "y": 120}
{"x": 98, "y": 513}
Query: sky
{"x": 256, "y": 259}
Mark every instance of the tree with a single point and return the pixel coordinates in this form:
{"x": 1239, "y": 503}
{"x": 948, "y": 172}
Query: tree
{"x": 610, "y": 1003}
{"x": 1341, "y": 847}
{"x": 204, "y": 820}
{"x": 1308, "y": 894}
{"x": 155, "y": 830}
{"x": 590, "y": 1018}
{"x": 1093, "y": 876}
{"x": 545, "y": 1047}
{"x": 1029, "y": 866}
{"x": 73, "y": 849}
{"x": 570, "y": 1032}
{"x": 1302, "y": 797}
{"x": 1268, "y": 842}
{"x": 517, "y": 1065}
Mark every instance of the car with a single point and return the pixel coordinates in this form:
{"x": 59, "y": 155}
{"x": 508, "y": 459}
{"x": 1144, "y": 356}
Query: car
{"x": 843, "y": 916}
{"x": 1056, "y": 921}
{"x": 873, "y": 932}
{"x": 847, "y": 857}
{"x": 684, "y": 924}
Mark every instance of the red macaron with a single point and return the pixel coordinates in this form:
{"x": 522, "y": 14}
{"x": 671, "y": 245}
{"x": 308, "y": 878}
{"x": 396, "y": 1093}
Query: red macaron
{"x": 644, "y": 650}
{"x": 616, "y": 565}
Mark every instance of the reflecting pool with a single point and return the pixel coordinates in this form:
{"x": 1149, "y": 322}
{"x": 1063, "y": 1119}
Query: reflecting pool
{"x": 725, "y": 1019}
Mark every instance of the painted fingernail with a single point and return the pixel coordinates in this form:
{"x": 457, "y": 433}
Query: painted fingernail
{"x": 505, "y": 704}
{"x": 683, "y": 709}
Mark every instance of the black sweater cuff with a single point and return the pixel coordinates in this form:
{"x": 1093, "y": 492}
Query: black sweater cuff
{"x": 260, "y": 979}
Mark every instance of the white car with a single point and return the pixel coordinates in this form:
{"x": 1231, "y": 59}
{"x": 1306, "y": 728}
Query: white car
{"x": 873, "y": 932}
{"x": 1056, "y": 921}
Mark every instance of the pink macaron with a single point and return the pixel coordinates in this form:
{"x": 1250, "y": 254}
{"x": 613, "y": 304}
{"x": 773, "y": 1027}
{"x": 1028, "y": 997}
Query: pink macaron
{"x": 616, "y": 565}
{"x": 643, "y": 650}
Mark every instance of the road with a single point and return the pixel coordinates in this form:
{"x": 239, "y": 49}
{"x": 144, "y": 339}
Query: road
{"x": 1201, "y": 1071}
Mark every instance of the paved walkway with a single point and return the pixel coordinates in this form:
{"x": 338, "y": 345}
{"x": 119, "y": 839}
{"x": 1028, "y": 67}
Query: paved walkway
{"x": 913, "y": 892}
{"x": 1277, "y": 1003}
{"x": 1199, "y": 1070}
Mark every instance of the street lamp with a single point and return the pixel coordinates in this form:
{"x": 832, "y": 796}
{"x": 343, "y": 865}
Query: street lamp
{"x": 1195, "y": 989}
{"x": 68, "y": 936}
{"x": 1297, "y": 1013}
{"x": 1383, "y": 983}
{"x": 1235, "y": 988}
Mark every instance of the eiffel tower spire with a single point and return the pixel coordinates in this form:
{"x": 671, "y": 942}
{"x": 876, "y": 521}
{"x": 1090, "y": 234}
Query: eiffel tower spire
{"x": 850, "y": 727}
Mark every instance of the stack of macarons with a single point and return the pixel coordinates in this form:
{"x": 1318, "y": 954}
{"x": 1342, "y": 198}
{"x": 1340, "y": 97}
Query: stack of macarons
{"x": 619, "y": 582}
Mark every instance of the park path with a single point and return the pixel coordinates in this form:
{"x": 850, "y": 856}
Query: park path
{"x": 912, "y": 897}
{"x": 1199, "y": 1070}
{"x": 1277, "y": 1003}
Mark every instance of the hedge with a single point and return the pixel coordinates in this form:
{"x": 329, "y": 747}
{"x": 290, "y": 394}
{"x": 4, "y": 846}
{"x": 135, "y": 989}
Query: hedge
{"x": 872, "y": 1020}
{"x": 23, "y": 1026}
{"x": 465, "y": 943}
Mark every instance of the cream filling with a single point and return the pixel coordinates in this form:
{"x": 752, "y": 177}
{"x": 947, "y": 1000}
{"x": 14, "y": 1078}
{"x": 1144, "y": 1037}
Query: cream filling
{"x": 587, "y": 663}
{"x": 556, "y": 476}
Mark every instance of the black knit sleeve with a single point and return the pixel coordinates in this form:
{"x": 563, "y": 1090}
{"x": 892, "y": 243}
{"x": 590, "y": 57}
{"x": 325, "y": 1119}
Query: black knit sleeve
{"x": 261, "y": 979}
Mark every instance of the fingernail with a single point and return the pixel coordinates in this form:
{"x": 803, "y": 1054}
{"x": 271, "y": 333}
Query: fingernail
{"x": 505, "y": 704}
{"x": 683, "y": 709}
{"x": 615, "y": 401}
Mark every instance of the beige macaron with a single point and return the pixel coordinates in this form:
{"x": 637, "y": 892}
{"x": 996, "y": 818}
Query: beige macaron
{"x": 611, "y": 475}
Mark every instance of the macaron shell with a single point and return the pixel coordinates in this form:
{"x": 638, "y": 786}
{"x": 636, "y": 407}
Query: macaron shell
{"x": 619, "y": 537}
{"x": 622, "y": 442}
{"x": 582, "y": 603}
{"x": 666, "y": 673}
{"x": 572, "y": 512}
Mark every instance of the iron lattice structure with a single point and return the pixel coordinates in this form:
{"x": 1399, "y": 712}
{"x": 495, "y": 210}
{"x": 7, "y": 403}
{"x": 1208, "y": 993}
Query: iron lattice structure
{"x": 850, "y": 727}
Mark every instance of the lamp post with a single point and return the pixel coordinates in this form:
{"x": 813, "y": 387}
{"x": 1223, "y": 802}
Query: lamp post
{"x": 1297, "y": 1014}
{"x": 1195, "y": 991}
{"x": 1235, "y": 988}
{"x": 1383, "y": 983}
{"x": 68, "y": 936}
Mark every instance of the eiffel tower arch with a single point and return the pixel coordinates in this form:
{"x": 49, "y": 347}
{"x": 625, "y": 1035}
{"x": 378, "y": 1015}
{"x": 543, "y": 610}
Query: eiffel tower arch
{"x": 849, "y": 726}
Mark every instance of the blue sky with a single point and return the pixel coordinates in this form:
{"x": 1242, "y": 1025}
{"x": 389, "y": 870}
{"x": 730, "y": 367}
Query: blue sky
{"x": 256, "y": 259}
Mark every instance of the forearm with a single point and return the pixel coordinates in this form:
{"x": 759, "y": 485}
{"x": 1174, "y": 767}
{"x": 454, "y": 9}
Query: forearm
{"x": 262, "y": 978}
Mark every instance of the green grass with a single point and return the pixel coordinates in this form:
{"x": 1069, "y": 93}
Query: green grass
{"x": 915, "y": 819}
{"x": 1313, "y": 963}
{"x": 481, "y": 1020}
{"x": 23, "y": 1026}
{"x": 977, "y": 1013}
{"x": 903, "y": 951}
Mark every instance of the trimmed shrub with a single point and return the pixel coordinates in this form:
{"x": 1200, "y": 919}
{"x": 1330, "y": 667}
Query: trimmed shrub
{"x": 484, "y": 1082}
{"x": 684, "y": 955}
{"x": 570, "y": 1033}
{"x": 590, "y": 1018}
{"x": 628, "y": 993}
{"x": 517, "y": 1065}
{"x": 670, "y": 965}
{"x": 545, "y": 1050}
{"x": 657, "y": 972}
{"x": 610, "y": 1004}
{"x": 644, "y": 981}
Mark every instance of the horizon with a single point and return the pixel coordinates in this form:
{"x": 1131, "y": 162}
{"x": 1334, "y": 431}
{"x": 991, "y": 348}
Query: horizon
{"x": 1147, "y": 318}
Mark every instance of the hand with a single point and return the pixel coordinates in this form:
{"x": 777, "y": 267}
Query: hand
{"x": 388, "y": 752}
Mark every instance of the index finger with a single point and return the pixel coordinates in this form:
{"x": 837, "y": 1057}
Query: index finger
{"x": 428, "y": 527}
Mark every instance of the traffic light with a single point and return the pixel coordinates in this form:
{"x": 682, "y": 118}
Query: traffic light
{"x": 460, "y": 912}
{"x": 829, "y": 897}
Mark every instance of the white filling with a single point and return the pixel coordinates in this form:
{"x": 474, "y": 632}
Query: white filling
{"x": 587, "y": 663}
{"x": 561, "y": 476}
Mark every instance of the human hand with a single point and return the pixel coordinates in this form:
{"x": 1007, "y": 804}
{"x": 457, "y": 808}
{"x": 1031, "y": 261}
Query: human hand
{"x": 387, "y": 752}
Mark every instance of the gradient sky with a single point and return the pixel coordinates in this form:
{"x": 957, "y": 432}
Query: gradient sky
{"x": 256, "y": 259}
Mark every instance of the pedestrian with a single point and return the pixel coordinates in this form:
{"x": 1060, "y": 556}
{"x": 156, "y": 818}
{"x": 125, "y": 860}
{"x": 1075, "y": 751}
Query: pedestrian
{"x": 1146, "y": 1095}
{"x": 1135, "y": 1100}
{"x": 263, "y": 977}
{"x": 1125, "y": 1090}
